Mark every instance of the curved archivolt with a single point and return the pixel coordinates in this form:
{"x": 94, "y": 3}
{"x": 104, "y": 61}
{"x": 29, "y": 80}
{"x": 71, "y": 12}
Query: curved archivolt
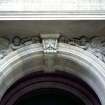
{"x": 68, "y": 58}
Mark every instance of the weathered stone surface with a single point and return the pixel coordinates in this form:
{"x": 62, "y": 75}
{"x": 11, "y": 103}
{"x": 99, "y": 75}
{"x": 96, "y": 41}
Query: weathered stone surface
{"x": 94, "y": 44}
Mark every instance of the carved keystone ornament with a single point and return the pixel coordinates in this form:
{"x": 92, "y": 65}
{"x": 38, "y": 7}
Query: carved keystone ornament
{"x": 49, "y": 42}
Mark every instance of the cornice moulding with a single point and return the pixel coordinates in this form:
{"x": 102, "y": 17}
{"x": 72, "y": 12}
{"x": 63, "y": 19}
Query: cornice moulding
{"x": 52, "y": 9}
{"x": 52, "y": 16}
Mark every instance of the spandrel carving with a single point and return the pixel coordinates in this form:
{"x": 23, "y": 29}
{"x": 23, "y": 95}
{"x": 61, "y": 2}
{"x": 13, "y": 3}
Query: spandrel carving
{"x": 4, "y": 46}
{"x": 9, "y": 45}
{"x": 94, "y": 44}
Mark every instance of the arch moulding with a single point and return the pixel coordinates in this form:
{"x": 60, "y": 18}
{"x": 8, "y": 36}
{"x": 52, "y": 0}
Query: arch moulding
{"x": 50, "y": 55}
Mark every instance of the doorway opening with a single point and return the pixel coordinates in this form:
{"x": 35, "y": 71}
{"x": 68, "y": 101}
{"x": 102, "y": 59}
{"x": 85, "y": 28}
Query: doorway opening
{"x": 57, "y": 88}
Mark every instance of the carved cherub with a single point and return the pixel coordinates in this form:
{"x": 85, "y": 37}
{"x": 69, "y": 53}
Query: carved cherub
{"x": 16, "y": 43}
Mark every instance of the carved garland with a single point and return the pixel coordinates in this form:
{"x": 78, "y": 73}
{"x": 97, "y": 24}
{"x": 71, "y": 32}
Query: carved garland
{"x": 94, "y": 44}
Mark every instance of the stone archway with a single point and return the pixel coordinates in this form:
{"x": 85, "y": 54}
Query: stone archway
{"x": 67, "y": 58}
